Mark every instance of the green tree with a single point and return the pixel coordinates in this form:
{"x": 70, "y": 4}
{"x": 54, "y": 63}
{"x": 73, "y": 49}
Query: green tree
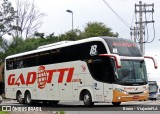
{"x": 71, "y": 35}
{"x": 9, "y": 47}
{"x": 18, "y": 45}
{"x": 39, "y": 35}
{"x": 14, "y": 46}
{"x": 97, "y": 29}
{"x": 4, "y": 44}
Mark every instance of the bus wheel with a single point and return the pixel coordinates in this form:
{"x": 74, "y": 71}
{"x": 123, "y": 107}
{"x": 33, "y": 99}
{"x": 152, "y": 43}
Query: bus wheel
{"x": 19, "y": 98}
{"x": 116, "y": 103}
{"x": 87, "y": 99}
{"x": 28, "y": 99}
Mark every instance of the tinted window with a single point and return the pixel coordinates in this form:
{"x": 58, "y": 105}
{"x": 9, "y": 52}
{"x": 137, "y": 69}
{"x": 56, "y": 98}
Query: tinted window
{"x": 22, "y": 62}
{"x": 18, "y": 63}
{"x": 77, "y": 52}
{"x": 71, "y": 53}
{"x": 9, "y": 64}
{"x": 59, "y": 55}
{"x": 44, "y": 58}
{"x": 30, "y": 60}
{"x": 101, "y": 69}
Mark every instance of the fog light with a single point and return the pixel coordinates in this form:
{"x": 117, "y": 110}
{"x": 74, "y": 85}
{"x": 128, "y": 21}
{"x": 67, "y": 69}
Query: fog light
{"x": 119, "y": 98}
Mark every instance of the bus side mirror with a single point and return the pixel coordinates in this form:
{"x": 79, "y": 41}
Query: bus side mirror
{"x": 154, "y": 61}
{"x": 116, "y": 58}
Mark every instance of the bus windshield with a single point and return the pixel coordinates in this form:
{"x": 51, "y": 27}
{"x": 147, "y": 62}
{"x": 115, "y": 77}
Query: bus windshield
{"x": 132, "y": 72}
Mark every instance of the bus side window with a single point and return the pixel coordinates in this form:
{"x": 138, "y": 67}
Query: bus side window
{"x": 18, "y": 63}
{"x": 44, "y": 58}
{"x": 30, "y": 60}
{"x": 77, "y": 52}
{"x": 9, "y": 65}
{"x": 59, "y": 55}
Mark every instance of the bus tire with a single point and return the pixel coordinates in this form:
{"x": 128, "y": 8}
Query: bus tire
{"x": 19, "y": 98}
{"x": 87, "y": 99}
{"x": 116, "y": 103}
{"x": 27, "y": 98}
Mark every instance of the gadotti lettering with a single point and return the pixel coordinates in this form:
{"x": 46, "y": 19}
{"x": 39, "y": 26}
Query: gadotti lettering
{"x": 124, "y": 44}
{"x": 43, "y": 77}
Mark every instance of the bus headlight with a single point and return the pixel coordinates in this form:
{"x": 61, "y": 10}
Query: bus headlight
{"x": 155, "y": 95}
{"x": 146, "y": 91}
{"x": 121, "y": 90}
{"x": 119, "y": 98}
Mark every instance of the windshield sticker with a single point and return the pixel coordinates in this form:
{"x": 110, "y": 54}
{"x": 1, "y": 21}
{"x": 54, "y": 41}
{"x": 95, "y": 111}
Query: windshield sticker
{"x": 115, "y": 50}
{"x": 93, "y": 50}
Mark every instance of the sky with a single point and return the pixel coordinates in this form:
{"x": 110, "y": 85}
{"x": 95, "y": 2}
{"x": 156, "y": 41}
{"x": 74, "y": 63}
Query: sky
{"x": 58, "y": 21}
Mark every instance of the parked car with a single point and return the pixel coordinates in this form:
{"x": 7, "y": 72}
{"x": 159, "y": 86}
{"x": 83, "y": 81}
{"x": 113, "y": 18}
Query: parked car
{"x": 158, "y": 96}
{"x": 153, "y": 96}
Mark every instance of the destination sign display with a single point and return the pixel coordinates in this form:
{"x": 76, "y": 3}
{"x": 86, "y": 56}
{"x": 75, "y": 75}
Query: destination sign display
{"x": 123, "y": 47}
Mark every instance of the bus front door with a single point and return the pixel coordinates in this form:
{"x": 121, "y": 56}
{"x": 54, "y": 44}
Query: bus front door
{"x": 98, "y": 91}
{"x": 108, "y": 92}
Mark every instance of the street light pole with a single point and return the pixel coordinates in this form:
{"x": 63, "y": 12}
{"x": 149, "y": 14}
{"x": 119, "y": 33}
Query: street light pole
{"x": 70, "y": 11}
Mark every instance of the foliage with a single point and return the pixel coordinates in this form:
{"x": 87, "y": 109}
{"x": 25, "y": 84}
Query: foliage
{"x": 71, "y": 35}
{"x": 7, "y": 16}
{"x": 18, "y": 45}
{"x": 62, "y": 112}
{"x": 39, "y": 35}
{"x": 2, "y": 112}
{"x": 98, "y": 29}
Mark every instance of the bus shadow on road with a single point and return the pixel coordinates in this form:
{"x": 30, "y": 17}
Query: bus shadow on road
{"x": 75, "y": 105}
{"x": 68, "y": 107}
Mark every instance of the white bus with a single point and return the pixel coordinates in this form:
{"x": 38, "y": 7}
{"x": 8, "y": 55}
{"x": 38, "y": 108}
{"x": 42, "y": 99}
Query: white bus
{"x": 93, "y": 70}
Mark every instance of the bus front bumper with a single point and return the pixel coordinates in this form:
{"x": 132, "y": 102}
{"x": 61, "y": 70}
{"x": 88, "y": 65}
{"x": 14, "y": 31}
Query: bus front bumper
{"x": 124, "y": 97}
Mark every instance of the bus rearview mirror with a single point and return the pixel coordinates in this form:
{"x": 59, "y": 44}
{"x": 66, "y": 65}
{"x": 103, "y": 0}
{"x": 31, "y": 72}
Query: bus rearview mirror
{"x": 154, "y": 61}
{"x": 115, "y": 57}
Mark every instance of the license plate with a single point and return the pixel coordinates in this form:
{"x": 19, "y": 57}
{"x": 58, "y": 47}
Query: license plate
{"x": 136, "y": 97}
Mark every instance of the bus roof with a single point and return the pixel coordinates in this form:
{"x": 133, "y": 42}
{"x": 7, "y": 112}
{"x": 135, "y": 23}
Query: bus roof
{"x": 60, "y": 45}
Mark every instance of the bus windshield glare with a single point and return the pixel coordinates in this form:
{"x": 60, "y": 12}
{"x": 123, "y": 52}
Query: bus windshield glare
{"x": 132, "y": 72}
